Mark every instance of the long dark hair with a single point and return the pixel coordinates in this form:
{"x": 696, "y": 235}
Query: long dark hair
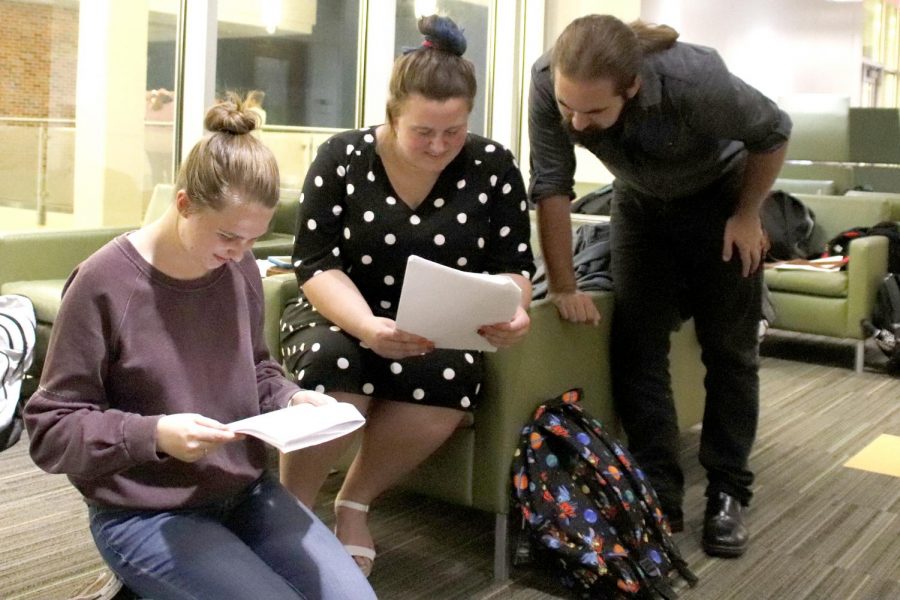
{"x": 603, "y": 47}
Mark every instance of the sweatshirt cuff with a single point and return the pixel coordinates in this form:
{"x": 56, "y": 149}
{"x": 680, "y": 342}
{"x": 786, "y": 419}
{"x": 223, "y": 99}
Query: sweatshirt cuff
{"x": 139, "y": 434}
{"x": 283, "y": 398}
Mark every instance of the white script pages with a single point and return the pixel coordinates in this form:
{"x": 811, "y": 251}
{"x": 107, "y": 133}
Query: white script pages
{"x": 447, "y": 305}
{"x": 301, "y": 425}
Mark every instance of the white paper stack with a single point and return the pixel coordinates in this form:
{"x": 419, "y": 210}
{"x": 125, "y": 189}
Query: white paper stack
{"x": 301, "y": 425}
{"x": 448, "y": 306}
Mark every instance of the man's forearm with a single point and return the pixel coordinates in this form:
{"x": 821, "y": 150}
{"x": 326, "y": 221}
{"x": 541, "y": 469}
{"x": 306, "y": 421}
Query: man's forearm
{"x": 759, "y": 175}
{"x": 555, "y": 228}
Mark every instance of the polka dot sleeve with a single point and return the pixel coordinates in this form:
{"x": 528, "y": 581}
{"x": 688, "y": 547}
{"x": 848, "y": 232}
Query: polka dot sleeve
{"x": 509, "y": 244}
{"x": 319, "y": 221}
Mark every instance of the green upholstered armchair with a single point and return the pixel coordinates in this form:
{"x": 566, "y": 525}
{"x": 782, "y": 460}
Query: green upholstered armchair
{"x": 841, "y": 174}
{"x": 893, "y": 199}
{"x": 834, "y": 304}
{"x": 472, "y": 468}
{"x": 36, "y": 265}
{"x": 805, "y": 186}
{"x": 279, "y": 241}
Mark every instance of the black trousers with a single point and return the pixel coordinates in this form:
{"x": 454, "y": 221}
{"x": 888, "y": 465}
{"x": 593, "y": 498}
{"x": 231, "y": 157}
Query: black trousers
{"x": 667, "y": 266}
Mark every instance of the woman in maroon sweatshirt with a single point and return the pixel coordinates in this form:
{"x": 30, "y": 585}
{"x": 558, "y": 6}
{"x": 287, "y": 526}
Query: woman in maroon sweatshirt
{"x": 158, "y": 342}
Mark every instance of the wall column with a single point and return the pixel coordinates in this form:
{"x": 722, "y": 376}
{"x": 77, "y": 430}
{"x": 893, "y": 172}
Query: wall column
{"x": 198, "y": 87}
{"x": 110, "y": 160}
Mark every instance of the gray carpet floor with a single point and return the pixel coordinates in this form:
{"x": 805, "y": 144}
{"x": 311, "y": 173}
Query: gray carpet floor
{"x": 820, "y": 530}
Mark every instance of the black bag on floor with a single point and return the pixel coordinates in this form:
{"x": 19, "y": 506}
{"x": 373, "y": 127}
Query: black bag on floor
{"x": 840, "y": 244}
{"x": 885, "y": 323}
{"x": 589, "y": 510}
{"x": 891, "y": 231}
{"x": 788, "y": 224}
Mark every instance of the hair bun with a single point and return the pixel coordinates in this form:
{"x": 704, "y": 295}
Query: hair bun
{"x": 443, "y": 34}
{"x": 229, "y": 116}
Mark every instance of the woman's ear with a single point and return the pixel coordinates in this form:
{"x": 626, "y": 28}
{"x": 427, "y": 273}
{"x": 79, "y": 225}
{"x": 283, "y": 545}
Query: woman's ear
{"x": 183, "y": 203}
{"x": 391, "y": 118}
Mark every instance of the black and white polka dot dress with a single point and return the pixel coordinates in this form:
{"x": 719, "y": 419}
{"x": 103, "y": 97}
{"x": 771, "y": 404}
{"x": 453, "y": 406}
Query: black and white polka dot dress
{"x": 474, "y": 219}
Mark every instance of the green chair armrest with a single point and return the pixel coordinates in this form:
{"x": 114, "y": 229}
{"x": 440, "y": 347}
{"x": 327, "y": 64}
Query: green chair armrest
{"x": 278, "y": 290}
{"x": 26, "y": 256}
{"x": 273, "y": 244}
{"x": 555, "y": 357}
{"x": 893, "y": 199}
{"x": 805, "y": 186}
{"x": 45, "y": 295}
{"x": 285, "y": 219}
{"x": 865, "y": 271}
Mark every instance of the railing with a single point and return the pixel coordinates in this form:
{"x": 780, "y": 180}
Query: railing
{"x": 841, "y": 163}
{"x": 25, "y": 166}
{"x": 39, "y": 169}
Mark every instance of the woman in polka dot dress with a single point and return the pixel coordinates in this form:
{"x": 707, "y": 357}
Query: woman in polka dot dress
{"x": 419, "y": 184}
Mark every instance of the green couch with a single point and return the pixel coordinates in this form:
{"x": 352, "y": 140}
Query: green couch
{"x": 892, "y": 198}
{"x": 36, "y": 264}
{"x": 805, "y": 186}
{"x": 840, "y": 174}
{"x": 834, "y": 304}
{"x": 472, "y": 468}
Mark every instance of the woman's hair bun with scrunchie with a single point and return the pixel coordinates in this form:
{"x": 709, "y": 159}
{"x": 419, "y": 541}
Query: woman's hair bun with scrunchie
{"x": 229, "y": 116}
{"x": 441, "y": 33}
{"x": 436, "y": 69}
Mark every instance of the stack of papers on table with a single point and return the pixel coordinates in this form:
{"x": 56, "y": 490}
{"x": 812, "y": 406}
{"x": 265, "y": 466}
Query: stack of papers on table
{"x": 829, "y": 264}
{"x": 447, "y": 305}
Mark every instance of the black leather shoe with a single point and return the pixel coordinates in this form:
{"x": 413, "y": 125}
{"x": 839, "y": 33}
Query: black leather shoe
{"x": 724, "y": 532}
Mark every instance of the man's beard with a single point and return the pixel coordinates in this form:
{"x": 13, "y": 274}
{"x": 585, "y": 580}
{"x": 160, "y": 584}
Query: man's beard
{"x": 585, "y": 136}
{"x": 592, "y": 133}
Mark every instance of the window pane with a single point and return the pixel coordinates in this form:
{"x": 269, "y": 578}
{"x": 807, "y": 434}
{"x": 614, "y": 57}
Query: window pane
{"x": 159, "y": 111}
{"x": 892, "y": 44}
{"x": 473, "y": 17}
{"x": 889, "y": 90}
{"x": 872, "y": 30}
{"x": 120, "y": 148}
{"x": 37, "y": 111}
{"x": 301, "y": 53}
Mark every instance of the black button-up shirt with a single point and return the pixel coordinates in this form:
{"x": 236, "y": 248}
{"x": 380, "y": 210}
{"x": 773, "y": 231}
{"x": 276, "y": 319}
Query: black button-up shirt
{"x": 691, "y": 123}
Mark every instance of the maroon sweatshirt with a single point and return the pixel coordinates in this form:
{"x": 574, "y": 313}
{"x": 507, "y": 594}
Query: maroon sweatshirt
{"x": 131, "y": 344}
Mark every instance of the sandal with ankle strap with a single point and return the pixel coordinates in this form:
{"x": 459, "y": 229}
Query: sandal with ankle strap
{"x": 355, "y": 551}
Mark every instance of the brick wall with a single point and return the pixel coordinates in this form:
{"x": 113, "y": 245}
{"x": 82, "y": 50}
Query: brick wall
{"x": 38, "y": 59}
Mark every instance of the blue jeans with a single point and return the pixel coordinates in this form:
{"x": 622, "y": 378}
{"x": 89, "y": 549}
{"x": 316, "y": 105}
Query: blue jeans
{"x": 261, "y": 543}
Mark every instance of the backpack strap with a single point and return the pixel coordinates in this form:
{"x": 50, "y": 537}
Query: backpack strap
{"x": 13, "y": 357}
{"x": 16, "y": 312}
{"x": 891, "y": 287}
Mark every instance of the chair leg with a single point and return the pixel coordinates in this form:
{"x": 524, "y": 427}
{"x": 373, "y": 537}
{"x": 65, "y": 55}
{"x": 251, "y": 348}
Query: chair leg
{"x": 501, "y": 548}
{"x": 860, "y": 355}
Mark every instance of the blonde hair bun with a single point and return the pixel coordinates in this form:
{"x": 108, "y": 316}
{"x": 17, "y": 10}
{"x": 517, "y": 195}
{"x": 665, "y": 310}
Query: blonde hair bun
{"x": 229, "y": 116}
